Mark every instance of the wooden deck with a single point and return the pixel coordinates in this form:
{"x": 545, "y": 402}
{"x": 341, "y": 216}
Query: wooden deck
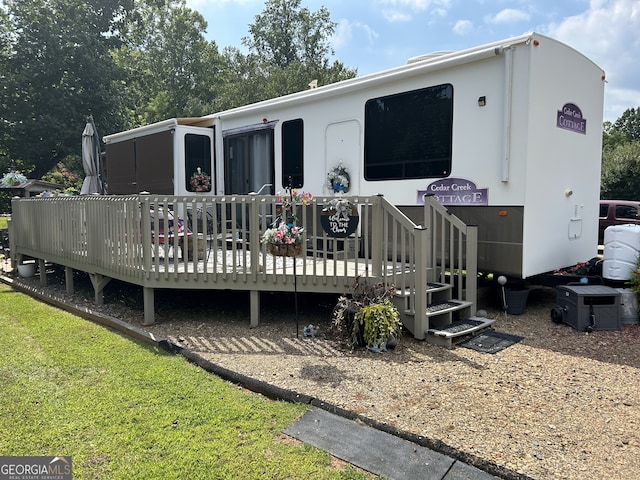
{"x": 124, "y": 238}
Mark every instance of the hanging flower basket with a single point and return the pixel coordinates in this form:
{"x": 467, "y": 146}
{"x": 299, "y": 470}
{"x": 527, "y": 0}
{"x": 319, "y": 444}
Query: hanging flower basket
{"x": 13, "y": 179}
{"x": 285, "y": 249}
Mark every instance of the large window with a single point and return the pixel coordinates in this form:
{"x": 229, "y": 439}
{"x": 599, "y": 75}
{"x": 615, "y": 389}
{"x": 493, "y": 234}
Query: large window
{"x": 248, "y": 160}
{"x": 409, "y": 135}
{"x": 292, "y": 153}
{"x": 197, "y": 155}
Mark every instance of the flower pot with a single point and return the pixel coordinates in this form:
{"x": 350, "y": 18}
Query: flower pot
{"x": 285, "y": 249}
{"x": 516, "y": 299}
{"x": 27, "y": 270}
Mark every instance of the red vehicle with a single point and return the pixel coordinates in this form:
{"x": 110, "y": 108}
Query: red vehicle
{"x": 617, "y": 212}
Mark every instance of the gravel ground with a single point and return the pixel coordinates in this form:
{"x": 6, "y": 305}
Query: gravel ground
{"x": 560, "y": 404}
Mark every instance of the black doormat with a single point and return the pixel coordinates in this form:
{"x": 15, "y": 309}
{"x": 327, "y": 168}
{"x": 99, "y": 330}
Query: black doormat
{"x": 490, "y": 341}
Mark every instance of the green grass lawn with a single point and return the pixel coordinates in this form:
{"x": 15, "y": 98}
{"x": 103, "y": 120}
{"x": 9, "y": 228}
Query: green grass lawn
{"x": 125, "y": 410}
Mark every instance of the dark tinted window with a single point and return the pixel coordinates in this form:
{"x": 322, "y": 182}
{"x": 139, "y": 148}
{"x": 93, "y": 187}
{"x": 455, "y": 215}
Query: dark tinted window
{"x": 604, "y": 209}
{"x": 197, "y": 154}
{"x": 626, "y": 211}
{"x": 409, "y": 135}
{"x": 292, "y": 153}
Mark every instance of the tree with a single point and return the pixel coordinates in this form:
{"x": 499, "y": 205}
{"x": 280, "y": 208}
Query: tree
{"x": 288, "y": 48}
{"x": 629, "y": 124}
{"x": 620, "y": 178}
{"x": 611, "y": 137}
{"x": 171, "y": 69}
{"x": 57, "y": 70}
{"x": 285, "y": 33}
{"x": 621, "y": 172}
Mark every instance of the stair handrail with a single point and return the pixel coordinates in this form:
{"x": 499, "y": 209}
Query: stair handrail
{"x": 464, "y": 267}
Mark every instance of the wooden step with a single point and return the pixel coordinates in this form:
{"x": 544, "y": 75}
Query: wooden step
{"x": 436, "y": 292}
{"x": 432, "y": 287}
{"x": 444, "y": 335}
{"x": 446, "y": 306}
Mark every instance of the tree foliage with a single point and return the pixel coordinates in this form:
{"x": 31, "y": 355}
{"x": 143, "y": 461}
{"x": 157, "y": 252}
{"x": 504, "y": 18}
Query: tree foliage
{"x": 171, "y": 69}
{"x": 57, "y": 70}
{"x": 629, "y": 124}
{"x": 620, "y": 177}
{"x": 134, "y": 62}
{"x": 621, "y": 172}
{"x": 288, "y": 49}
{"x": 285, "y": 34}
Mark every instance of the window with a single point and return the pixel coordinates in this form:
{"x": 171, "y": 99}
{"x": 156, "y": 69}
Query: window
{"x": 197, "y": 155}
{"x": 409, "y": 135}
{"x": 626, "y": 211}
{"x": 248, "y": 160}
{"x": 604, "y": 210}
{"x": 292, "y": 153}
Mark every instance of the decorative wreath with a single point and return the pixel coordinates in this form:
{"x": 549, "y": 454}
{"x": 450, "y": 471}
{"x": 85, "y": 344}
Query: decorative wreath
{"x": 200, "y": 181}
{"x": 338, "y": 179}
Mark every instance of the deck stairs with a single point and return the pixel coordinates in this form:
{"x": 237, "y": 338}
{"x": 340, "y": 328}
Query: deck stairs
{"x": 437, "y": 301}
{"x": 449, "y": 320}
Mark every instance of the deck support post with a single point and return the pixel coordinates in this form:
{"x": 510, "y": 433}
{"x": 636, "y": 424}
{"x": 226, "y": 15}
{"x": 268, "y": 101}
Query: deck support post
{"x": 43, "y": 272}
{"x": 254, "y": 306}
{"x": 149, "y": 306}
{"x": 99, "y": 282}
{"x": 68, "y": 277}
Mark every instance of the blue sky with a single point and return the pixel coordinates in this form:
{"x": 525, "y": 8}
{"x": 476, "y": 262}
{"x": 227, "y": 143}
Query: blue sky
{"x": 374, "y": 35}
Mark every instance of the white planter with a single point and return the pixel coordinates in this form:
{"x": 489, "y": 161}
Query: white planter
{"x": 27, "y": 270}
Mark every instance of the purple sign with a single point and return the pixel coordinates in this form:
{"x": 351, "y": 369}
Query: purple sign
{"x": 570, "y": 118}
{"x": 454, "y": 191}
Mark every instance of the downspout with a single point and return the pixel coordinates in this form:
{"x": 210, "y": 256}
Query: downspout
{"x": 508, "y": 105}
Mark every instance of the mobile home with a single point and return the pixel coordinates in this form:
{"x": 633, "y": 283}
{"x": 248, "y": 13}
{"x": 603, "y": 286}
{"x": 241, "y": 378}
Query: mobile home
{"x": 506, "y": 135}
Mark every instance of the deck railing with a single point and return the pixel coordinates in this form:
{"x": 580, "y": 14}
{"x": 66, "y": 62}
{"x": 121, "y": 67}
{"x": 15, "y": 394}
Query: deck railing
{"x": 215, "y": 242}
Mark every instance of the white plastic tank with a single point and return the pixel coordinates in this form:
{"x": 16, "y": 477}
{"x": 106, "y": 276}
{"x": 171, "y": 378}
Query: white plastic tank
{"x": 621, "y": 250}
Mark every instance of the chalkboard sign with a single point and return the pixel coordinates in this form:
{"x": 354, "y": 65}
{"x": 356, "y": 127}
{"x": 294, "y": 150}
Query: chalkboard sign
{"x": 338, "y": 225}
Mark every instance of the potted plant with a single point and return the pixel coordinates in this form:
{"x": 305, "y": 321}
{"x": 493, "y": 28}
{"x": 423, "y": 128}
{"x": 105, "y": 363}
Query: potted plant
{"x": 634, "y": 280}
{"x": 13, "y": 179}
{"x": 367, "y": 317}
{"x": 285, "y": 237}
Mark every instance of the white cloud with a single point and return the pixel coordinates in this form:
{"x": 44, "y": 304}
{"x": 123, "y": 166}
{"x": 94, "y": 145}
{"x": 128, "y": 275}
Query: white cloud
{"x": 403, "y": 10}
{"x": 199, "y": 5}
{"x": 462, "y": 27}
{"x": 394, "y": 16}
{"x": 614, "y": 48}
{"x": 413, "y": 5}
{"x": 346, "y": 30}
{"x": 342, "y": 35}
{"x": 508, "y": 15}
